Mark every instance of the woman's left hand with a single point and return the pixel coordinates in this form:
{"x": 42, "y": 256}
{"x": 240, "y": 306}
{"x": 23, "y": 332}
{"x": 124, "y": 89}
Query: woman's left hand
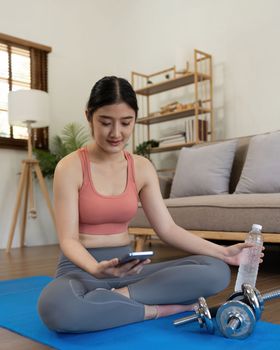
{"x": 233, "y": 253}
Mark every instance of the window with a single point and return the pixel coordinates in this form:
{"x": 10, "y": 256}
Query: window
{"x": 23, "y": 65}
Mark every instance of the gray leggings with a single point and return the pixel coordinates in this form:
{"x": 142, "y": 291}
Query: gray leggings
{"x": 76, "y": 301}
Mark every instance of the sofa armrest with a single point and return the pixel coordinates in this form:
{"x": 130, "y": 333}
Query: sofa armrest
{"x": 165, "y": 183}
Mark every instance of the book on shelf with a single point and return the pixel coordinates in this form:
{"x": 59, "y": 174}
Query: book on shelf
{"x": 170, "y": 137}
{"x": 173, "y": 141}
{"x": 173, "y": 130}
{"x": 190, "y": 129}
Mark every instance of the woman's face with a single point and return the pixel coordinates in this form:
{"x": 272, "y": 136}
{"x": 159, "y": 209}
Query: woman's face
{"x": 112, "y": 126}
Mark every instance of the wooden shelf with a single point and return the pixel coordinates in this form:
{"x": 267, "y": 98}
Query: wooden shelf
{"x": 174, "y": 83}
{"x": 201, "y": 107}
{"x": 170, "y": 116}
{"x": 171, "y": 147}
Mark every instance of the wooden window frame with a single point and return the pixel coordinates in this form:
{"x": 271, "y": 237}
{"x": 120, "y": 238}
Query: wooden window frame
{"x": 38, "y": 53}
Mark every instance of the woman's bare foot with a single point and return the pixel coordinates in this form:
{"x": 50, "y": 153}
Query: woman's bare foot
{"x": 123, "y": 291}
{"x": 157, "y": 311}
{"x": 150, "y": 310}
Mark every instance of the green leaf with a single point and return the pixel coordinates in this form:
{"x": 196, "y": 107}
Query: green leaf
{"x": 144, "y": 148}
{"x": 47, "y": 162}
{"x": 73, "y": 136}
{"x": 57, "y": 147}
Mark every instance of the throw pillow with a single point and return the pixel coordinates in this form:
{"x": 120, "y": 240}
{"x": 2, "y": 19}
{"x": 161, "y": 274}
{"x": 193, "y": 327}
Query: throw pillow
{"x": 203, "y": 170}
{"x": 261, "y": 171}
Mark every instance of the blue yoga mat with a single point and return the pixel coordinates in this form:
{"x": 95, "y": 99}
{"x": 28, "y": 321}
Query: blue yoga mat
{"x": 18, "y": 299}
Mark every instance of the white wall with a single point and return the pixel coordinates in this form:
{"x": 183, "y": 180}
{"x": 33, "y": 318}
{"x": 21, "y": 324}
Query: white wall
{"x": 92, "y": 38}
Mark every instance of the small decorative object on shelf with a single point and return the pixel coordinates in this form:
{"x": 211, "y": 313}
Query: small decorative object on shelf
{"x": 176, "y": 106}
{"x": 170, "y": 107}
{"x": 183, "y": 71}
{"x": 198, "y": 113}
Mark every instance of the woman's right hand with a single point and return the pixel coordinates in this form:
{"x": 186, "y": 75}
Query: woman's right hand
{"x": 112, "y": 268}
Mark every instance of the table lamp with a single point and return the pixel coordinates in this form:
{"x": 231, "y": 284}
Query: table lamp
{"x": 25, "y": 108}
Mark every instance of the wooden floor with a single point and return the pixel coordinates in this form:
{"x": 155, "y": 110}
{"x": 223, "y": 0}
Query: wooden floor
{"x": 42, "y": 261}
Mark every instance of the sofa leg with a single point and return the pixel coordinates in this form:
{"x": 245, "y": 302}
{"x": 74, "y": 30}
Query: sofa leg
{"x": 139, "y": 242}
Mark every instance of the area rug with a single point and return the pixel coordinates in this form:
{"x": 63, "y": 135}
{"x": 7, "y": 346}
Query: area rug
{"x": 18, "y": 313}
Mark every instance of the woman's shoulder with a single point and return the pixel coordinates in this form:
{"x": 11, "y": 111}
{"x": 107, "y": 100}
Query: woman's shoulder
{"x": 143, "y": 166}
{"x": 139, "y": 160}
{"x": 70, "y": 162}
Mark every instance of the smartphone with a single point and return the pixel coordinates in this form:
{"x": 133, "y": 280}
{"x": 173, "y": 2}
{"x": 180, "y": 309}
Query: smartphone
{"x": 136, "y": 256}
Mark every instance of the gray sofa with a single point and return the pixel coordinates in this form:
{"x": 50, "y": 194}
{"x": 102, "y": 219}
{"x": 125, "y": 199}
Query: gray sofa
{"x": 226, "y": 216}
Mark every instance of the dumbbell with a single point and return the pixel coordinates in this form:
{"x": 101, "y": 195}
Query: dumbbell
{"x": 240, "y": 314}
{"x": 237, "y": 317}
{"x": 202, "y": 314}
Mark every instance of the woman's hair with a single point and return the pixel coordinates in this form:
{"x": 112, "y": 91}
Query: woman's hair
{"x": 110, "y": 90}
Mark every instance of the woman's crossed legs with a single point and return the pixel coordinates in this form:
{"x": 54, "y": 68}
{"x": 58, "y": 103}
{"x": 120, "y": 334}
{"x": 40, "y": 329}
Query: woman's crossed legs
{"x": 78, "y": 302}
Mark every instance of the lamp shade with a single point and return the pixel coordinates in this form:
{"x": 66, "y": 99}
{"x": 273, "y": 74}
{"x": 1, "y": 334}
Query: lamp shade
{"x": 28, "y": 106}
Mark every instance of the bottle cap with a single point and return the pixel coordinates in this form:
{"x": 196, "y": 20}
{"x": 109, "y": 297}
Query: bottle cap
{"x": 256, "y": 227}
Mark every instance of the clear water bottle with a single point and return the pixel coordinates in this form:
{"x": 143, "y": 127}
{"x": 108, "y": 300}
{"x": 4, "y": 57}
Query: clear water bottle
{"x": 250, "y": 258}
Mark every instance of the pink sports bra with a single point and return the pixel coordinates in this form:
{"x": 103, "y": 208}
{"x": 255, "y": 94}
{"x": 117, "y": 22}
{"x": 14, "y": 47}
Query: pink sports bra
{"x": 100, "y": 214}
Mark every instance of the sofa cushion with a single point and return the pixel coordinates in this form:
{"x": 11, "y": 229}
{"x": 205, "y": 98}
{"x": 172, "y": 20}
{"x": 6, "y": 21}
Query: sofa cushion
{"x": 203, "y": 170}
{"x": 226, "y": 212}
{"x": 261, "y": 170}
{"x": 165, "y": 183}
{"x": 238, "y": 161}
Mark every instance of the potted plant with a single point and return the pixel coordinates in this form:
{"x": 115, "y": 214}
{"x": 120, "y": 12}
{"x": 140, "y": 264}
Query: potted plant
{"x": 144, "y": 148}
{"x": 73, "y": 136}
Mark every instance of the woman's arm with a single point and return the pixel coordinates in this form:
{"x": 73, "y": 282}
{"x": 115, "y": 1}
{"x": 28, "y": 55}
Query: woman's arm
{"x": 67, "y": 177}
{"x": 165, "y": 227}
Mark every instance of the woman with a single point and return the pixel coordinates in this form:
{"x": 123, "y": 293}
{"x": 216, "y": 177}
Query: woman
{"x": 96, "y": 191}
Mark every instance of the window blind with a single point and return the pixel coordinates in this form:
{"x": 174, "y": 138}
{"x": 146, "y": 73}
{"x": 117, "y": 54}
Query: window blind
{"x": 23, "y": 65}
